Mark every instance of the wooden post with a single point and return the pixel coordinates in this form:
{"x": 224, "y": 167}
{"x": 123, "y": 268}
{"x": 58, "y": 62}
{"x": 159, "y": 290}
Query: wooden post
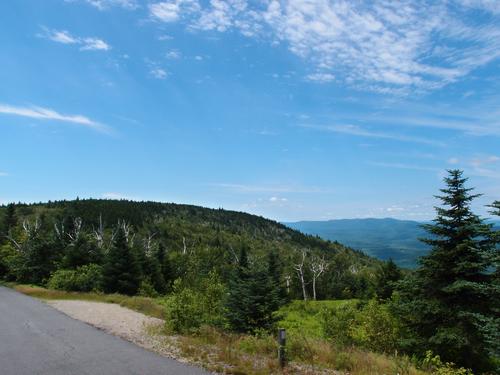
{"x": 281, "y": 349}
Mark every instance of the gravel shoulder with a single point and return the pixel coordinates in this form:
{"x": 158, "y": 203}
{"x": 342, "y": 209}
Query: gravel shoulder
{"x": 130, "y": 325}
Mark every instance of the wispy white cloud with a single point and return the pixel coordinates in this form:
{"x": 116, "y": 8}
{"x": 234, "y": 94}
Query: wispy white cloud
{"x": 383, "y": 46}
{"x": 172, "y": 10}
{"x": 486, "y": 5}
{"x": 64, "y": 37}
{"x": 278, "y": 200}
{"x": 115, "y": 195}
{"x": 404, "y": 166}
{"x": 173, "y": 54}
{"x": 243, "y": 188}
{"x": 106, "y": 4}
{"x": 94, "y": 44}
{"x": 320, "y": 77}
{"x": 158, "y": 73}
{"x": 358, "y": 131}
{"x": 50, "y": 114}
{"x": 3, "y": 174}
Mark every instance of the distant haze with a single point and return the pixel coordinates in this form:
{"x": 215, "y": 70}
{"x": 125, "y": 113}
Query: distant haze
{"x": 381, "y": 238}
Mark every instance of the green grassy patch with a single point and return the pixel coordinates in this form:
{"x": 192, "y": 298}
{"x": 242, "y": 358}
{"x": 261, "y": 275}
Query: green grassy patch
{"x": 302, "y": 318}
{"x": 145, "y": 305}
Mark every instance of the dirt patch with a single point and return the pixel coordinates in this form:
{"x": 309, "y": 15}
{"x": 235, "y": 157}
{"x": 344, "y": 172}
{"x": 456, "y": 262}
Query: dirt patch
{"x": 130, "y": 325}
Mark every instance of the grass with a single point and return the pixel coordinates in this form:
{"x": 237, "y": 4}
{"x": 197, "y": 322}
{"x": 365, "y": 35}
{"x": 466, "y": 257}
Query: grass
{"x": 302, "y": 317}
{"x": 230, "y": 353}
{"x": 145, "y": 305}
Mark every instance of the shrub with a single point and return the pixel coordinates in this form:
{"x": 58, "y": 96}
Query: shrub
{"x": 371, "y": 326}
{"x": 338, "y": 323}
{"x": 433, "y": 363}
{"x": 146, "y": 289}
{"x": 376, "y": 329}
{"x": 87, "y": 278}
{"x": 187, "y": 309}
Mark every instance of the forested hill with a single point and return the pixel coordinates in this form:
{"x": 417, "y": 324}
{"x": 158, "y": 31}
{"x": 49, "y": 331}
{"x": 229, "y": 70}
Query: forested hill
{"x": 211, "y": 238}
{"x": 380, "y": 238}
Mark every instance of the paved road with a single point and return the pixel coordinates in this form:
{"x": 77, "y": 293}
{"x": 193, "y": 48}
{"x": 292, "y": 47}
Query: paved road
{"x": 36, "y": 339}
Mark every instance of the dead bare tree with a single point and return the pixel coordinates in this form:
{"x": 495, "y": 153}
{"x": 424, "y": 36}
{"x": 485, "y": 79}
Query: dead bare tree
{"x": 317, "y": 266}
{"x": 99, "y": 234}
{"x": 31, "y": 228}
{"x": 235, "y": 256}
{"x": 77, "y": 228}
{"x": 288, "y": 280}
{"x": 127, "y": 230}
{"x": 148, "y": 244}
{"x": 184, "y": 247}
{"x": 299, "y": 269}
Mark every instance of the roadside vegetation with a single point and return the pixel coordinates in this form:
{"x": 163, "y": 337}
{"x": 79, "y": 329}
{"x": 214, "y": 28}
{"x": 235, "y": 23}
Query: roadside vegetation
{"x": 225, "y": 289}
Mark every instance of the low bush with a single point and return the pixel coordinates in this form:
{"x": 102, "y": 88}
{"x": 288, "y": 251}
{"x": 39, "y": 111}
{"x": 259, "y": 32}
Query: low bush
{"x": 371, "y": 326}
{"x": 188, "y": 309}
{"x": 433, "y": 363}
{"x": 86, "y": 278}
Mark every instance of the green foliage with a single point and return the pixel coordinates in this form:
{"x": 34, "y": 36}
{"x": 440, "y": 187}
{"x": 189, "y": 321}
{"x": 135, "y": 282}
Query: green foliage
{"x": 305, "y": 317}
{"x": 8, "y": 259}
{"x": 254, "y": 296}
{"x": 198, "y": 240}
{"x": 80, "y": 252}
{"x": 146, "y": 289}
{"x": 388, "y": 274}
{"x": 8, "y": 222}
{"x": 188, "y": 309}
{"x": 371, "y": 326}
{"x": 451, "y": 302}
{"x": 121, "y": 271}
{"x": 86, "y": 278}
{"x": 433, "y": 363}
{"x": 338, "y": 324}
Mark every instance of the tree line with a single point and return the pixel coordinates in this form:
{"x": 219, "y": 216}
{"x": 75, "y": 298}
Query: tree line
{"x": 234, "y": 271}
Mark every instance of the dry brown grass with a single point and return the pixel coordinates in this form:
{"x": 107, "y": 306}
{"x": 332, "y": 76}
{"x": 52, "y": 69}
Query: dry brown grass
{"x": 145, "y": 305}
{"x": 229, "y": 353}
{"x": 243, "y": 354}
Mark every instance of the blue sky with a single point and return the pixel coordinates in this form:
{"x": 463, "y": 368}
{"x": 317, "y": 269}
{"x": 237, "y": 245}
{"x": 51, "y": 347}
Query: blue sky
{"x": 288, "y": 109}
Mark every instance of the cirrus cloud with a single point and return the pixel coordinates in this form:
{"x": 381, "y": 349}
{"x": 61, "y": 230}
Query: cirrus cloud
{"x": 387, "y": 47}
{"x": 42, "y": 113}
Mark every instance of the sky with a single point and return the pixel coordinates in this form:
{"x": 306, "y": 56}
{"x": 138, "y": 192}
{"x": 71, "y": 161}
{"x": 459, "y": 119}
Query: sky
{"x": 289, "y": 109}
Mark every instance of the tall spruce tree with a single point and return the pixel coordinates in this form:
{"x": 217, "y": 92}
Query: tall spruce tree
{"x": 253, "y": 297}
{"x": 448, "y": 303}
{"x": 275, "y": 271}
{"x": 8, "y": 223}
{"x": 165, "y": 266}
{"x": 121, "y": 270}
{"x": 385, "y": 279}
{"x": 238, "y": 300}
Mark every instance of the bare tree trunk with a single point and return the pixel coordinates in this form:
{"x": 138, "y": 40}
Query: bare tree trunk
{"x": 314, "y": 287}
{"x": 184, "y": 247}
{"x": 317, "y": 267}
{"x": 299, "y": 268}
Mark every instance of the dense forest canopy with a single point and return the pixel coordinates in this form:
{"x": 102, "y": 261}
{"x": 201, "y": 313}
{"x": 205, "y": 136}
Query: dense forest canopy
{"x": 196, "y": 240}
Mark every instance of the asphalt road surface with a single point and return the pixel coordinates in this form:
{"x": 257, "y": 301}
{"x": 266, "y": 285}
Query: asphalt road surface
{"x": 36, "y": 339}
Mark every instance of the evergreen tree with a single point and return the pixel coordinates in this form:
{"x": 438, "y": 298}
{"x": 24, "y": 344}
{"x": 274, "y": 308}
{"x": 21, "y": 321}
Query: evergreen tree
{"x": 275, "y": 271}
{"x": 10, "y": 217}
{"x": 8, "y": 223}
{"x": 238, "y": 301}
{"x": 252, "y": 299}
{"x": 121, "y": 271}
{"x": 80, "y": 253}
{"x": 165, "y": 266}
{"x": 449, "y": 302}
{"x": 154, "y": 274}
{"x": 385, "y": 279}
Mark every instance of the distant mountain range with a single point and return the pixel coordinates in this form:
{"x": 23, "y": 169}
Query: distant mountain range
{"x": 380, "y": 238}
